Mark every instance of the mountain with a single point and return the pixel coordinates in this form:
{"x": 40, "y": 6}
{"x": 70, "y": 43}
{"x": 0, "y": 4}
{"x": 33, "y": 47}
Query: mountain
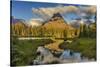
{"x": 55, "y": 27}
{"x": 18, "y": 27}
{"x": 58, "y": 27}
{"x": 18, "y": 22}
{"x": 15, "y": 20}
{"x": 57, "y": 22}
{"x": 57, "y": 15}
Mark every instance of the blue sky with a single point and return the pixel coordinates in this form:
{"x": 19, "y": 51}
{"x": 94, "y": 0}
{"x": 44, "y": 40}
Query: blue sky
{"x": 23, "y": 10}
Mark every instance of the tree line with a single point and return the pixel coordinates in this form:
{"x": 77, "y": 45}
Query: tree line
{"x": 22, "y": 30}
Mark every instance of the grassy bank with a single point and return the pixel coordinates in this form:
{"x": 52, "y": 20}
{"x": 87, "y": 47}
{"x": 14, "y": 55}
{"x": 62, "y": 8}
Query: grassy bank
{"x": 24, "y": 51}
{"x": 87, "y": 46}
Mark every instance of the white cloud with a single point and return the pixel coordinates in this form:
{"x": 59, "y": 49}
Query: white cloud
{"x": 47, "y": 13}
{"x": 35, "y": 22}
{"x": 89, "y": 9}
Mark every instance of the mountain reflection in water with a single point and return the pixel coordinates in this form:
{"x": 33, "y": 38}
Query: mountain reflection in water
{"x": 67, "y": 56}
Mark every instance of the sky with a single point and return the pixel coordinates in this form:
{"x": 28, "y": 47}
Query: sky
{"x": 39, "y": 10}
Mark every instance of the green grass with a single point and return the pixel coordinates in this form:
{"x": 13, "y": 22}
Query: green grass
{"x": 24, "y": 51}
{"x": 87, "y": 46}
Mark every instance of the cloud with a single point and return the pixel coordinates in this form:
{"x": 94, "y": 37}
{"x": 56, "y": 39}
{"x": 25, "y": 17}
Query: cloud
{"x": 37, "y": 19}
{"x": 92, "y": 9}
{"x": 70, "y": 9}
{"x": 35, "y": 22}
{"x": 89, "y": 9}
{"x": 39, "y": 13}
{"x": 46, "y": 13}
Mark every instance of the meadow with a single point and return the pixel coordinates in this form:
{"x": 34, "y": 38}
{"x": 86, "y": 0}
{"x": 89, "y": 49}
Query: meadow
{"x": 23, "y": 52}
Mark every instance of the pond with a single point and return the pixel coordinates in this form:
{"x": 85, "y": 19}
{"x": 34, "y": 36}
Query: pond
{"x": 66, "y": 56}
